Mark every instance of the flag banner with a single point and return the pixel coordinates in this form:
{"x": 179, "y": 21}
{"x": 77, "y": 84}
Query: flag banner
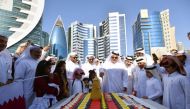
{"x": 11, "y": 96}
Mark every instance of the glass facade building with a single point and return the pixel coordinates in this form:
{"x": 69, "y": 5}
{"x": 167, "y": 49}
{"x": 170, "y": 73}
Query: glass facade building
{"x": 35, "y": 36}
{"x": 44, "y": 39}
{"x": 81, "y": 39}
{"x": 112, "y": 35}
{"x": 122, "y": 31}
{"x": 58, "y": 40}
{"x": 21, "y": 21}
{"x": 147, "y": 31}
{"x": 103, "y": 48}
{"x": 89, "y": 47}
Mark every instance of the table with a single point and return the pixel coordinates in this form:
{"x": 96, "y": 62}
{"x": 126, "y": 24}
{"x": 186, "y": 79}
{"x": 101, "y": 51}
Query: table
{"x": 146, "y": 102}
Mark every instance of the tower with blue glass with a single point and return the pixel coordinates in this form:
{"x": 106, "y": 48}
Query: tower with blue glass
{"x": 58, "y": 40}
{"x": 147, "y": 31}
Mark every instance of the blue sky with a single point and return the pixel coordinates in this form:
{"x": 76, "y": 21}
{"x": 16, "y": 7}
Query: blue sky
{"x": 95, "y": 11}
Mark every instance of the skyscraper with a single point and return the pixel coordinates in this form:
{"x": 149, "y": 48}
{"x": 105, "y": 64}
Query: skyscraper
{"x": 168, "y": 31}
{"x": 180, "y": 46}
{"x": 44, "y": 39}
{"x": 21, "y": 21}
{"x": 113, "y": 35}
{"x": 103, "y": 48}
{"x": 58, "y": 40}
{"x": 81, "y": 39}
{"x": 148, "y": 31}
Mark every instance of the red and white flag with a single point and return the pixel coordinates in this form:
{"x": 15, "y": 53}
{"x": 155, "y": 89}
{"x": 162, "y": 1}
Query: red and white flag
{"x": 11, "y": 96}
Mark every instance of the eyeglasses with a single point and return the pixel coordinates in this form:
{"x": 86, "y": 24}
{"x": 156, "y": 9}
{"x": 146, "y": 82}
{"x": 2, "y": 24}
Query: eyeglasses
{"x": 114, "y": 57}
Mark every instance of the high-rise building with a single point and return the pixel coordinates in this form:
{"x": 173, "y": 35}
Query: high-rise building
{"x": 112, "y": 35}
{"x": 58, "y": 40}
{"x": 152, "y": 31}
{"x": 44, "y": 39}
{"x": 168, "y": 31}
{"x": 103, "y": 40}
{"x": 21, "y": 21}
{"x": 180, "y": 46}
{"x": 81, "y": 39}
{"x": 103, "y": 48}
{"x": 173, "y": 40}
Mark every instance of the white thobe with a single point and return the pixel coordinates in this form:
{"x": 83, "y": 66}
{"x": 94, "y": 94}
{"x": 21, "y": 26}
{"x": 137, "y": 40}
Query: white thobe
{"x": 140, "y": 82}
{"x": 25, "y": 72}
{"x": 187, "y": 69}
{"x": 115, "y": 77}
{"x": 70, "y": 67}
{"x": 130, "y": 79}
{"x": 176, "y": 93}
{"x": 154, "y": 89}
{"x": 5, "y": 66}
{"x": 149, "y": 60}
{"x": 77, "y": 86}
{"x": 86, "y": 67}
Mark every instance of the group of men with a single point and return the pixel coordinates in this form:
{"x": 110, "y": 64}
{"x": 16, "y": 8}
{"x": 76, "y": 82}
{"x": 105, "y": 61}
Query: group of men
{"x": 142, "y": 77}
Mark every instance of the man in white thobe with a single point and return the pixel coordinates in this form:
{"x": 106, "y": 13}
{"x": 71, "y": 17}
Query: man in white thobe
{"x": 140, "y": 78}
{"x": 176, "y": 93}
{"x": 129, "y": 67}
{"x": 5, "y": 61}
{"x": 114, "y": 74}
{"x": 25, "y": 71}
{"x": 88, "y": 65}
{"x": 139, "y": 52}
{"x": 71, "y": 65}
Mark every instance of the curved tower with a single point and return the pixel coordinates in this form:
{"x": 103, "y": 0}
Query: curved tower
{"x": 21, "y": 21}
{"x": 58, "y": 40}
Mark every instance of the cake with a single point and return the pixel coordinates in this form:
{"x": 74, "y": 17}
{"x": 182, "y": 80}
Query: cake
{"x": 107, "y": 101}
{"x": 98, "y": 100}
